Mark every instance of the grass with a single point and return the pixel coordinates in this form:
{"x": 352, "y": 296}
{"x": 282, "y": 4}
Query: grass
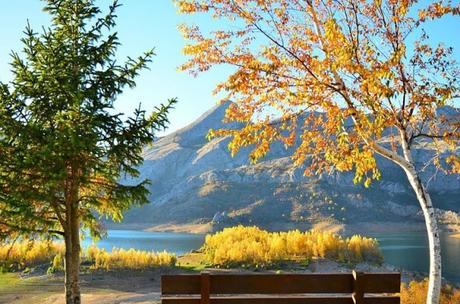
{"x": 192, "y": 261}
{"x": 7, "y": 280}
{"x": 37, "y": 289}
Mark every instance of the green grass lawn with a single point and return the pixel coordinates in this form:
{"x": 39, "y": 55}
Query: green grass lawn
{"x": 8, "y": 280}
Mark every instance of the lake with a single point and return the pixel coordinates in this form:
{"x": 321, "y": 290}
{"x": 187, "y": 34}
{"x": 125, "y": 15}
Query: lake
{"x": 405, "y": 250}
{"x": 178, "y": 243}
{"x": 410, "y": 251}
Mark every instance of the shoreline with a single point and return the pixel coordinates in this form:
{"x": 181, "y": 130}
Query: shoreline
{"x": 362, "y": 228}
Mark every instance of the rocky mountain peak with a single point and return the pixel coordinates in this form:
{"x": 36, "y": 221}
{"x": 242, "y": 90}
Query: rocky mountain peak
{"x": 194, "y": 179}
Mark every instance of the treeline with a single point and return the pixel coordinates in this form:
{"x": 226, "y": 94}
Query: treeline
{"x": 24, "y": 254}
{"x": 252, "y": 246}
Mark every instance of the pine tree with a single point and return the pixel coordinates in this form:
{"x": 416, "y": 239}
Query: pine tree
{"x": 63, "y": 147}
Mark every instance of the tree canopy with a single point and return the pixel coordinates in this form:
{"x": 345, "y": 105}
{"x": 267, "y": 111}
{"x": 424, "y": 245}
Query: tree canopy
{"x": 57, "y": 121}
{"x": 366, "y": 66}
{"x": 339, "y": 80}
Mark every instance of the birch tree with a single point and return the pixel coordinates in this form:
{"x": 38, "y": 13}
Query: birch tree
{"x": 349, "y": 79}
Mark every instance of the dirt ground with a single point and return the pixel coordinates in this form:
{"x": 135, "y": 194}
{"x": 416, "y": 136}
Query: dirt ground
{"x": 139, "y": 287}
{"x": 143, "y": 287}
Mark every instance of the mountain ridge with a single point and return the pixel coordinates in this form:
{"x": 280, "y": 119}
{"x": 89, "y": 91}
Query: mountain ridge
{"x": 196, "y": 181}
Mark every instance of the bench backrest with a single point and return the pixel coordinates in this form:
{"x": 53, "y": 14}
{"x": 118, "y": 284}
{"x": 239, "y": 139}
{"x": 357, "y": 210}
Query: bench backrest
{"x": 317, "y": 288}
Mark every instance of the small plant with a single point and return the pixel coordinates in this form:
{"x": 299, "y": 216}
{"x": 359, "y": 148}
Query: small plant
{"x": 56, "y": 265}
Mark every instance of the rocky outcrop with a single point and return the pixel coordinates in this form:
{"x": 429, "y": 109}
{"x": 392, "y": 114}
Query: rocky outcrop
{"x": 194, "y": 180}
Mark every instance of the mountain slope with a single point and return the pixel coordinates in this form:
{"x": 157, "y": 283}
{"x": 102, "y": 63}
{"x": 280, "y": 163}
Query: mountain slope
{"x": 197, "y": 181}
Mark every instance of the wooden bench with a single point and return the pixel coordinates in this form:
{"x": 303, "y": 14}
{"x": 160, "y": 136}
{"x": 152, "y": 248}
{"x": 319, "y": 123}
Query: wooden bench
{"x": 317, "y": 288}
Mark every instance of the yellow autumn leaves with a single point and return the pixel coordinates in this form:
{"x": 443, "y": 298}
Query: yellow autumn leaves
{"x": 23, "y": 254}
{"x": 256, "y": 247}
{"x": 332, "y": 58}
{"x": 26, "y": 254}
{"x": 128, "y": 259}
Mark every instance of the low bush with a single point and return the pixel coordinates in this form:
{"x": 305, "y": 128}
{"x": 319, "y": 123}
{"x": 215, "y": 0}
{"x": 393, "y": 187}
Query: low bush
{"x": 415, "y": 293}
{"x": 23, "y": 254}
{"x": 19, "y": 255}
{"x": 128, "y": 259}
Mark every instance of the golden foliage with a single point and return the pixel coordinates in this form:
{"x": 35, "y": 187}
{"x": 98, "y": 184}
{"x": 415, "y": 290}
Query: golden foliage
{"x": 29, "y": 253}
{"x": 342, "y": 66}
{"x": 242, "y": 245}
{"x": 415, "y": 293}
{"x": 128, "y": 259}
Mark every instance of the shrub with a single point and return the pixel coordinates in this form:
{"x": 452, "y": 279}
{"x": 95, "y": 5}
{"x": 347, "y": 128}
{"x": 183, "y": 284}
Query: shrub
{"x": 253, "y": 246}
{"x": 57, "y": 264}
{"x": 29, "y": 253}
{"x": 24, "y": 254}
{"x": 128, "y": 259}
{"x": 415, "y": 293}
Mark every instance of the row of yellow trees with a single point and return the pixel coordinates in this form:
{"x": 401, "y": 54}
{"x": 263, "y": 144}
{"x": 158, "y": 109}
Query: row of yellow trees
{"x": 253, "y": 246}
{"x": 25, "y": 254}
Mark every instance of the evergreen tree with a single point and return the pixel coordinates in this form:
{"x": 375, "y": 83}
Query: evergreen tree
{"x": 63, "y": 147}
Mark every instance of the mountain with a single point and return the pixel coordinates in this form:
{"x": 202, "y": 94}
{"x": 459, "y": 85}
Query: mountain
{"x": 196, "y": 182}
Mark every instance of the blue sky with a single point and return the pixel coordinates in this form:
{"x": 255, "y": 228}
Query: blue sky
{"x": 143, "y": 24}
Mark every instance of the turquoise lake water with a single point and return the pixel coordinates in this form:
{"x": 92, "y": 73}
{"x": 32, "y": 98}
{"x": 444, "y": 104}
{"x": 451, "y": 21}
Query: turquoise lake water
{"x": 410, "y": 251}
{"x": 405, "y": 250}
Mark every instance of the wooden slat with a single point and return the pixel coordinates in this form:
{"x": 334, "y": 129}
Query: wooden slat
{"x": 281, "y": 300}
{"x": 180, "y": 284}
{"x": 180, "y": 300}
{"x": 257, "y": 299}
{"x": 291, "y": 300}
{"x": 358, "y": 288}
{"x": 205, "y": 288}
{"x": 281, "y": 283}
{"x": 382, "y": 300}
{"x": 388, "y": 282}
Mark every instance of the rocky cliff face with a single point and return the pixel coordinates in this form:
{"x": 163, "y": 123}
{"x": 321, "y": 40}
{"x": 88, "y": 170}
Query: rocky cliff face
{"x": 197, "y": 181}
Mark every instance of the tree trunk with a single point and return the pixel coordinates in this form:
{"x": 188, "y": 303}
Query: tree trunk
{"x": 434, "y": 286}
{"x": 72, "y": 240}
{"x": 72, "y": 260}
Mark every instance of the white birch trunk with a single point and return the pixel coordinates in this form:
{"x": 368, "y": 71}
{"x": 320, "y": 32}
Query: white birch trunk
{"x": 434, "y": 286}
{"x": 407, "y": 163}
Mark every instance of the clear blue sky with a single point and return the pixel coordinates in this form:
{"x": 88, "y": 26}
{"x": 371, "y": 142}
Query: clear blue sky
{"x": 143, "y": 24}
